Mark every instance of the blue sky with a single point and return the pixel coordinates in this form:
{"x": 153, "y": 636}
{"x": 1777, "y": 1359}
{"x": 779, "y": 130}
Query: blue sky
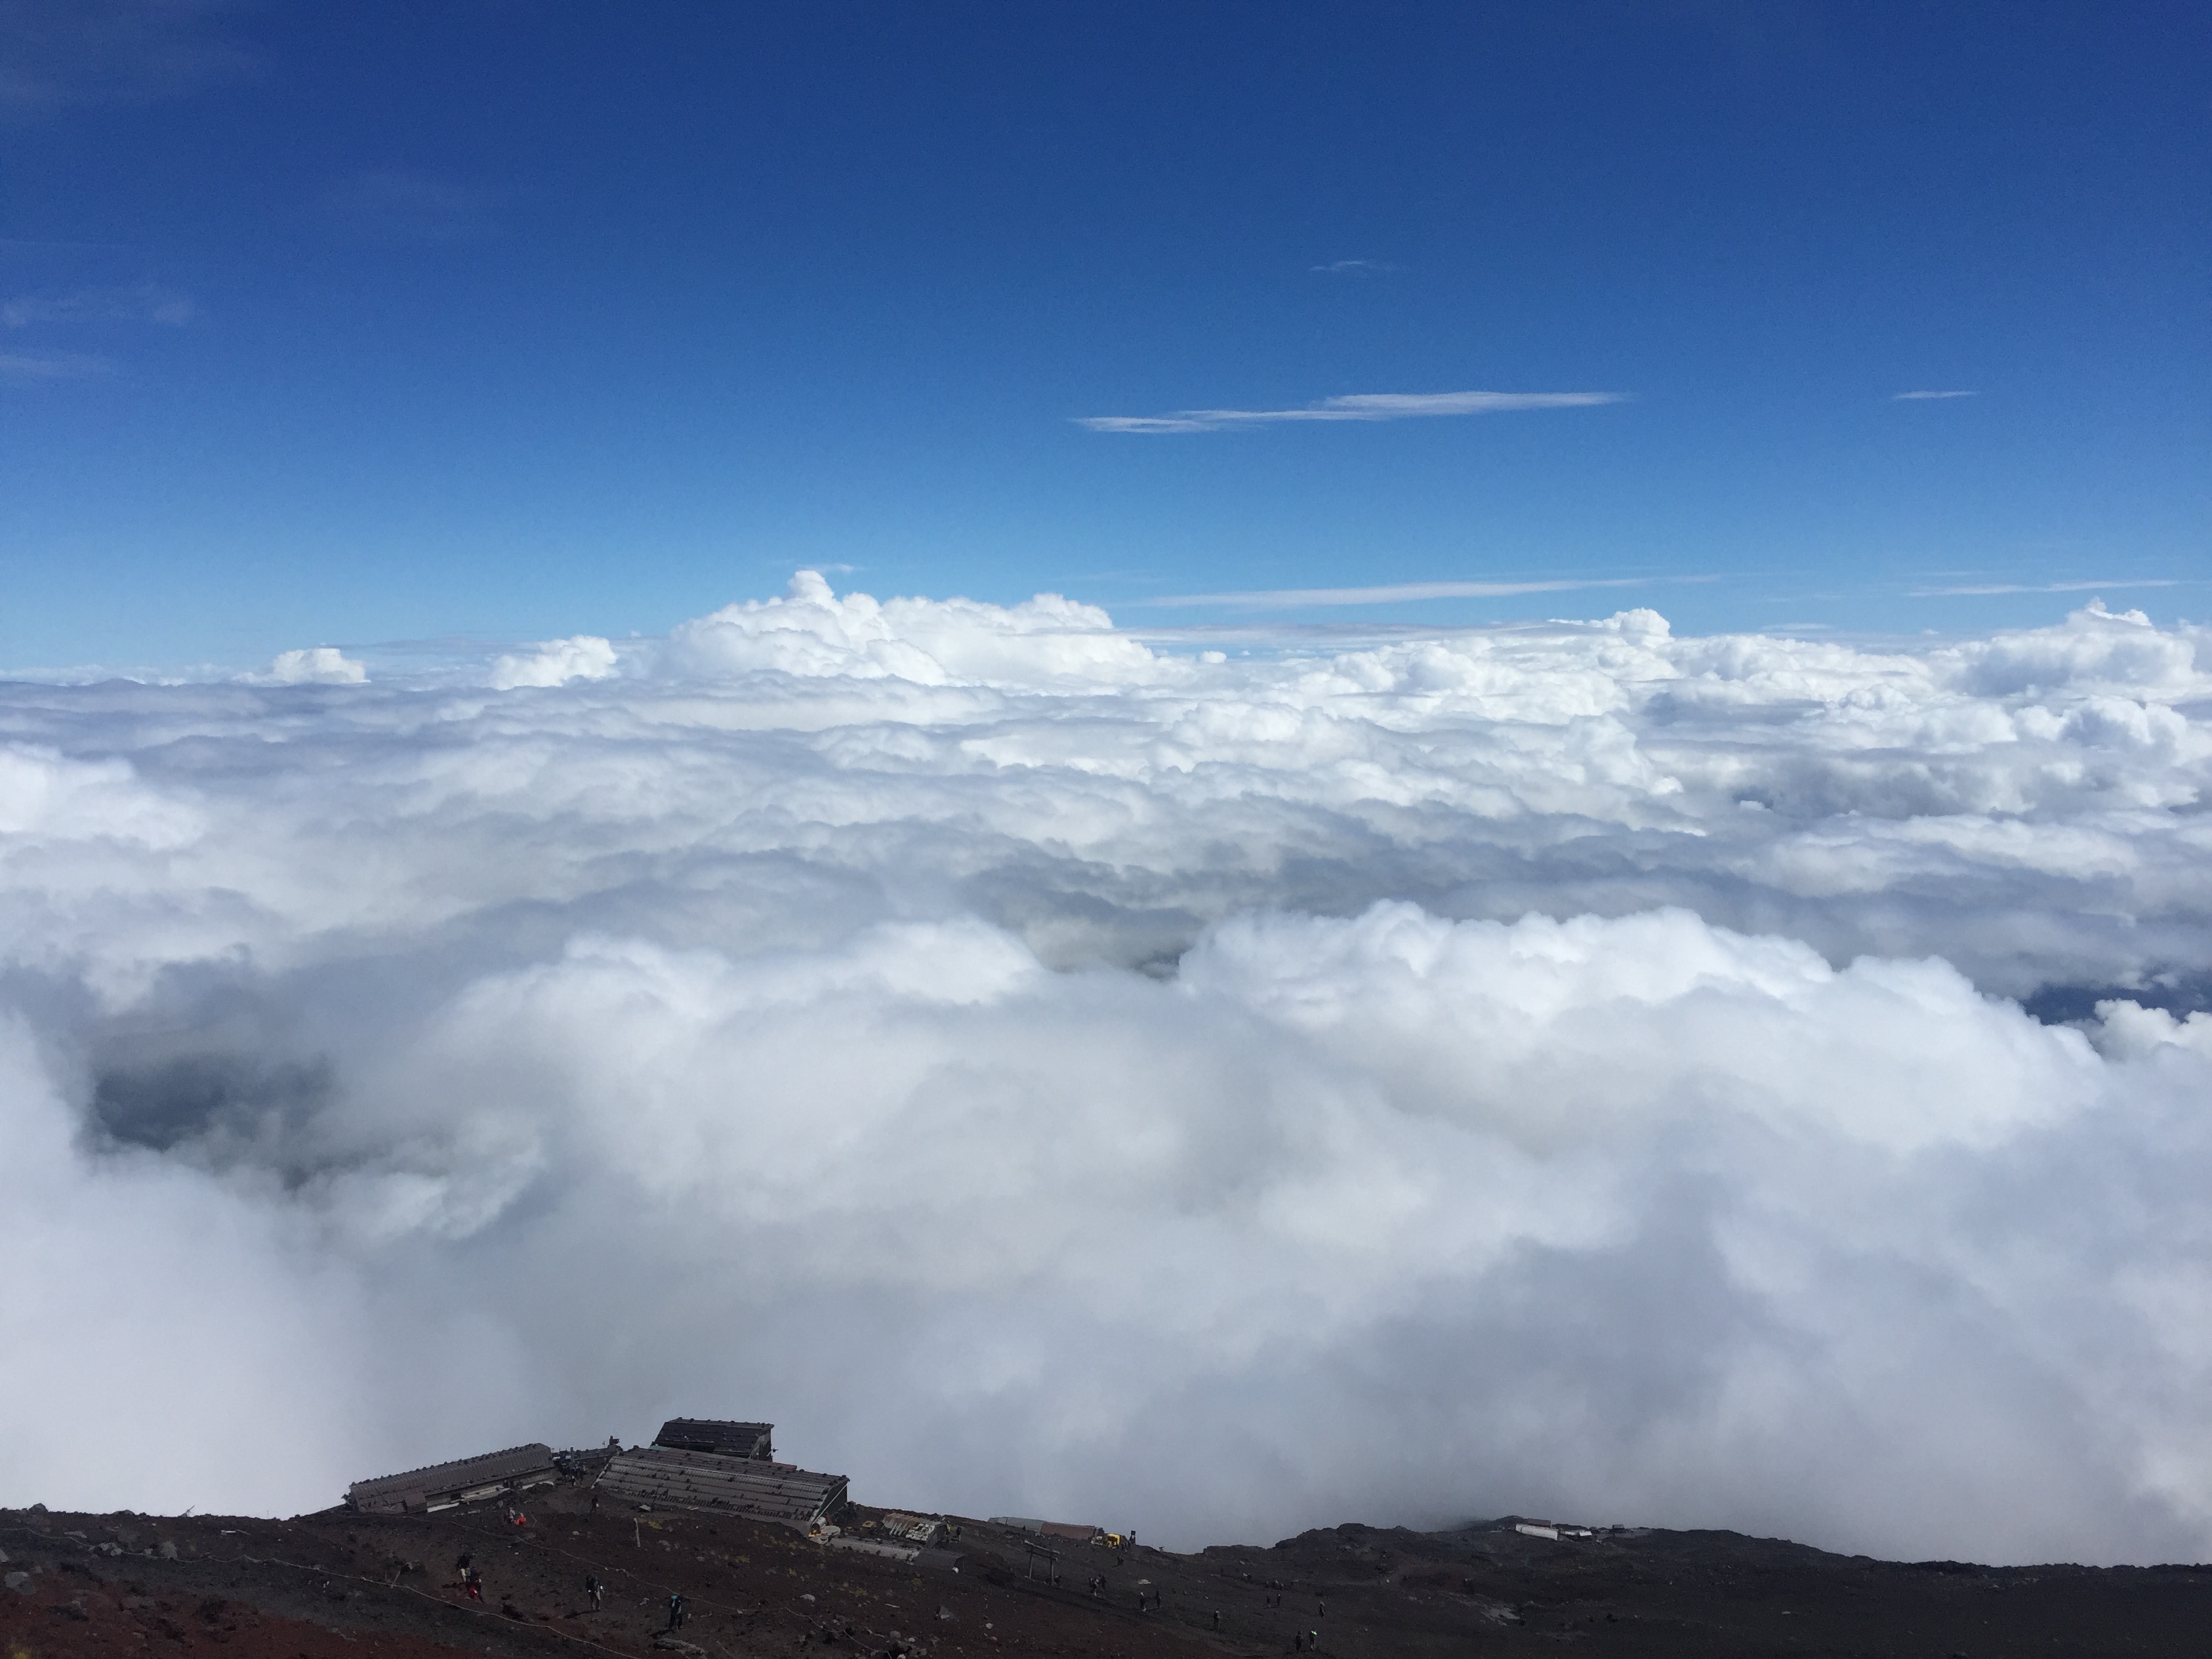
{"x": 364, "y": 323}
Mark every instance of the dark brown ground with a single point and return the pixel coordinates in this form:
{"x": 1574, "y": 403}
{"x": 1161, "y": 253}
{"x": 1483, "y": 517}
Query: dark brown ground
{"x": 340, "y": 1586}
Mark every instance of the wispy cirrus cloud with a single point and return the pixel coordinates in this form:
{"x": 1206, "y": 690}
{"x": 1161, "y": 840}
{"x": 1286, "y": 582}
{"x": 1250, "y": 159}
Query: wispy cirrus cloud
{"x": 1981, "y": 590}
{"x": 1355, "y": 267}
{"x": 1286, "y": 599}
{"x": 1357, "y": 406}
{"x": 55, "y": 54}
{"x": 1929, "y": 397}
{"x": 53, "y": 366}
{"x": 140, "y": 302}
{"x": 395, "y": 207}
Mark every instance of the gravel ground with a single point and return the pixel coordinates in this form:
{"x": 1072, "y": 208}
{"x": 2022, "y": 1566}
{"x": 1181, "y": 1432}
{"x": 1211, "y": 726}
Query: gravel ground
{"x": 338, "y": 1585}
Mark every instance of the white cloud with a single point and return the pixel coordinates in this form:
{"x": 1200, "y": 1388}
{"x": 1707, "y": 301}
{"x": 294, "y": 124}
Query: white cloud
{"x": 811, "y": 632}
{"x": 1923, "y": 397}
{"x": 1358, "y": 406}
{"x": 1572, "y": 1060}
{"x": 555, "y": 662}
{"x": 1355, "y": 267}
{"x": 320, "y": 665}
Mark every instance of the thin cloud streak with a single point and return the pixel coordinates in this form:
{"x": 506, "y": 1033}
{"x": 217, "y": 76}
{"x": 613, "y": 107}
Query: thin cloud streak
{"x": 53, "y": 366}
{"x": 142, "y": 302}
{"x": 57, "y": 54}
{"x": 1397, "y": 593}
{"x": 393, "y": 207}
{"x": 2041, "y": 587}
{"x": 1925, "y": 397}
{"x": 1357, "y": 406}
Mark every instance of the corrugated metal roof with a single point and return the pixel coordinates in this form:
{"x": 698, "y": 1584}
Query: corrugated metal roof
{"x": 921, "y": 1530}
{"x": 666, "y": 1475}
{"x": 417, "y": 1489}
{"x": 709, "y": 1434}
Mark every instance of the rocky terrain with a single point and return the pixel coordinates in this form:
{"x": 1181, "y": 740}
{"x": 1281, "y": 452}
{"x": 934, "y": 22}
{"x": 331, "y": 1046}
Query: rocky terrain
{"x": 338, "y": 1585}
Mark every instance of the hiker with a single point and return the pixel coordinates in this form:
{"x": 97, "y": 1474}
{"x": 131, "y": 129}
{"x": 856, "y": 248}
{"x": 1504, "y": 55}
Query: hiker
{"x": 472, "y": 1581}
{"x": 461, "y": 1565}
{"x": 591, "y": 1590}
{"x": 675, "y": 1610}
{"x": 1217, "y": 1618}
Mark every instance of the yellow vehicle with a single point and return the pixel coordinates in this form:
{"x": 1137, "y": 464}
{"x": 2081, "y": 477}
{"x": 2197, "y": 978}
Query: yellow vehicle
{"x": 1112, "y": 1541}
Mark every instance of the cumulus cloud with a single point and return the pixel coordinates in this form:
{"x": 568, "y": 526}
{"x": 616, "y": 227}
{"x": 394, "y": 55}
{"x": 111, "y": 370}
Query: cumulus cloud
{"x": 1357, "y": 406}
{"x": 320, "y": 665}
{"x": 555, "y": 662}
{"x": 812, "y": 633}
{"x": 1592, "y": 1070}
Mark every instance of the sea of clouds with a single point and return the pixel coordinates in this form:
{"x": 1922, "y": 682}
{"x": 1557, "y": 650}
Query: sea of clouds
{"x": 1557, "y": 1068}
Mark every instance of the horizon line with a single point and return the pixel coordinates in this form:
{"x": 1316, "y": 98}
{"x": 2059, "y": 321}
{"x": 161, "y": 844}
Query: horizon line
{"x": 1396, "y": 592}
